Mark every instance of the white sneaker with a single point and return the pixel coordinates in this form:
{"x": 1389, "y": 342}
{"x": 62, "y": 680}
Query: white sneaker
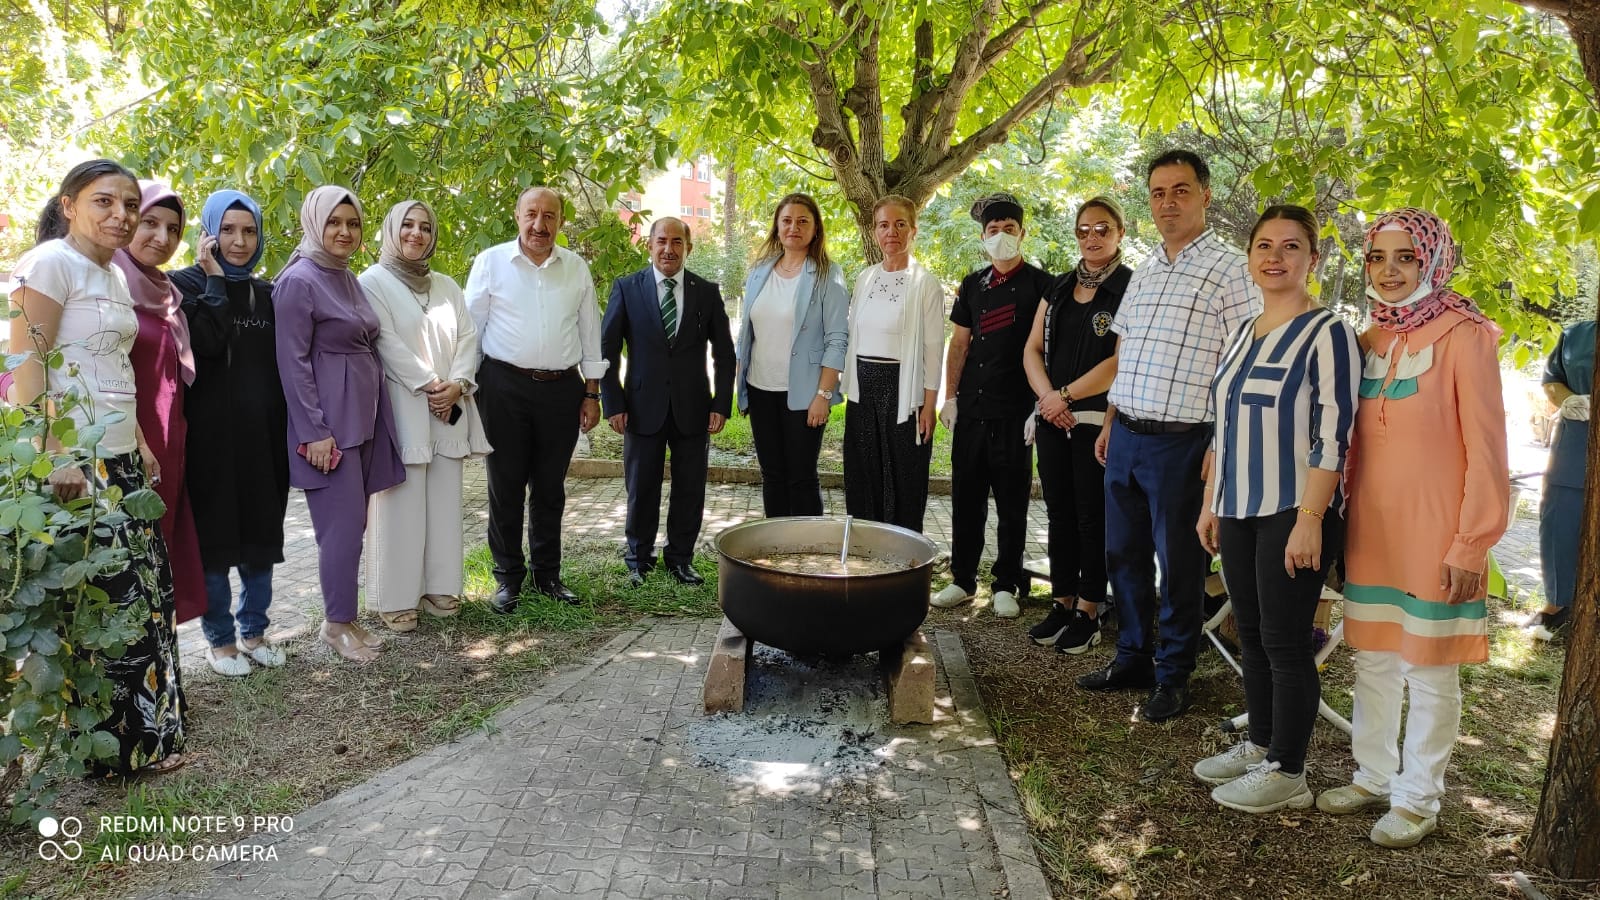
{"x": 235, "y": 666}
{"x": 1264, "y": 789}
{"x": 1005, "y": 605}
{"x": 951, "y": 595}
{"x": 1231, "y": 763}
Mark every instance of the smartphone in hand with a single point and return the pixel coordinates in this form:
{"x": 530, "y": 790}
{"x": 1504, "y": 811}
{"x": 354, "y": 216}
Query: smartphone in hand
{"x": 333, "y": 460}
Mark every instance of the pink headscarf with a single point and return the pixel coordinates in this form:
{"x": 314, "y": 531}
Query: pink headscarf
{"x": 1436, "y": 251}
{"x": 152, "y": 291}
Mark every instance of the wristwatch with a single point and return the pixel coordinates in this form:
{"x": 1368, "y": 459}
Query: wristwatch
{"x": 591, "y": 395}
{"x": 1066, "y": 395}
{"x": 464, "y": 384}
{"x": 826, "y": 395}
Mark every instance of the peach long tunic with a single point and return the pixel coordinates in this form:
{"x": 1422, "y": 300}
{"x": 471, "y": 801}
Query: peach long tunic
{"x": 1429, "y": 486}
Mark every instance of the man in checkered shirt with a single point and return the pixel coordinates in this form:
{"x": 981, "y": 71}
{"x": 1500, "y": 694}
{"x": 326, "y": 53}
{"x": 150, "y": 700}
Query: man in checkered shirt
{"x": 1180, "y": 306}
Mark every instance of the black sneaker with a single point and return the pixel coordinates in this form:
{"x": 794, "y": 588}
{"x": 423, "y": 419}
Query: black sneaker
{"x": 1114, "y": 677}
{"x": 1165, "y": 702}
{"x": 1046, "y": 633}
{"x": 1081, "y": 634}
{"x": 1545, "y": 626}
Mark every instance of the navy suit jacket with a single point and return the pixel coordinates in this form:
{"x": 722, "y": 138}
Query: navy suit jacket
{"x": 666, "y": 376}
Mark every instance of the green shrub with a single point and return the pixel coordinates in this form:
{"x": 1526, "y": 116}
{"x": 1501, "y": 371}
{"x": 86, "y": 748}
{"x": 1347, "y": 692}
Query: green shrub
{"x": 55, "y": 625}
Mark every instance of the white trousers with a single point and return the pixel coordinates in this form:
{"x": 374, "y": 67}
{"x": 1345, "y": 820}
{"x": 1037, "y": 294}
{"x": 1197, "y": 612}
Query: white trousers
{"x": 414, "y": 537}
{"x": 1432, "y": 724}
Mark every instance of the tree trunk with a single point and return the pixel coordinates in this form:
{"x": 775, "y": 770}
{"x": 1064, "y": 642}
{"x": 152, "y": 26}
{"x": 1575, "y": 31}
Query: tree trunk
{"x": 1566, "y": 831}
{"x": 730, "y": 212}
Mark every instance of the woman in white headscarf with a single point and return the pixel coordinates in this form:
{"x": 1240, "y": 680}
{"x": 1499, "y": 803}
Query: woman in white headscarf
{"x": 429, "y": 347}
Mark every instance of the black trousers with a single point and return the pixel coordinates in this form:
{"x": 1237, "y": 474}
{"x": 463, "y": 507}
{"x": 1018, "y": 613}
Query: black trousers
{"x": 787, "y": 450}
{"x": 643, "y": 465}
{"x": 988, "y": 456}
{"x": 533, "y": 427}
{"x": 1274, "y": 613}
{"x": 1074, "y": 486}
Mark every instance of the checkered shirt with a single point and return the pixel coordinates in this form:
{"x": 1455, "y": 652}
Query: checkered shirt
{"x": 1174, "y": 321}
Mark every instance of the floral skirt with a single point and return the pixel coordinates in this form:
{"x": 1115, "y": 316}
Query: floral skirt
{"x": 147, "y": 690}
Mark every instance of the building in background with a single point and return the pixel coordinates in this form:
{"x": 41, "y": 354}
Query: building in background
{"x": 689, "y": 191}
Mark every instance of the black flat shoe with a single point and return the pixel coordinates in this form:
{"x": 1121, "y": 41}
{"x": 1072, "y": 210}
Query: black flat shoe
{"x": 685, "y": 574}
{"x": 635, "y": 578}
{"x": 1166, "y": 701}
{"x": 504, "y": 601}
{"x": 555, "y": 590}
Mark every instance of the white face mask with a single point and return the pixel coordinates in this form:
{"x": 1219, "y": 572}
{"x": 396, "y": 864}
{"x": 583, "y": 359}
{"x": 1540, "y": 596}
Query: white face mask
{"x": 1423, "y": 290}
{"x": 1002, "y": 246}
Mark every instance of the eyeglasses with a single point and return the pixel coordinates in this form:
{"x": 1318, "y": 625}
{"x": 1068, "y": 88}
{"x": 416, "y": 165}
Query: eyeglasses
{"x": 1099, "y": 228}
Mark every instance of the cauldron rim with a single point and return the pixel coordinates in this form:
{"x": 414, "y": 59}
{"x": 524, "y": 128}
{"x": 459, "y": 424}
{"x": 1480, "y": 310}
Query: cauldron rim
{"x": 760, "y": 524}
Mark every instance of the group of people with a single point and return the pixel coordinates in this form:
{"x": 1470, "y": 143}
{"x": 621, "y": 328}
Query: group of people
{"x": 1204, "y": 403}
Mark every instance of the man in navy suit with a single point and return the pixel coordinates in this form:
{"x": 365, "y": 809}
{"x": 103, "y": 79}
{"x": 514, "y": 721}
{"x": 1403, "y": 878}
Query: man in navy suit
{"x": 667, "y": 316}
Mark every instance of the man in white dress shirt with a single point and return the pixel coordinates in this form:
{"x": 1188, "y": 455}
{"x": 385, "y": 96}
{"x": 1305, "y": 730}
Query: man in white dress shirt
{"x": 538, "y": 385}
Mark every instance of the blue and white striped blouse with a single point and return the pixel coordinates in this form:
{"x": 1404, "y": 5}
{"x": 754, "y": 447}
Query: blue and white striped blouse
{"x": 1285, "y": 402}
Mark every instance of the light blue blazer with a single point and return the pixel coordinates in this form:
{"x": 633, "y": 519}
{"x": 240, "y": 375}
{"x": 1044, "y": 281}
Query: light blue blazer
{"x": 821, "y": 331}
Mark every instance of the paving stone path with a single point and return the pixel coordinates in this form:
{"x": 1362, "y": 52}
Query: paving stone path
{"x": 599, "y": 787}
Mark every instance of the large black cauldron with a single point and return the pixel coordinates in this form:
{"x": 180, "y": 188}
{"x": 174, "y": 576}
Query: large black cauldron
{"x": 824, "y": 613}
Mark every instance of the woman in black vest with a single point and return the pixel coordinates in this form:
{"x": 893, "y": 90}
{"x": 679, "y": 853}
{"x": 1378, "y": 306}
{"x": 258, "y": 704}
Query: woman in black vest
{"x": 1071, "y": 360}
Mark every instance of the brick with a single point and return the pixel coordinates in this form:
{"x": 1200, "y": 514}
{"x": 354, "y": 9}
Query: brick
{"x": 913, "y": 682}
{"x": 724, "y": 686}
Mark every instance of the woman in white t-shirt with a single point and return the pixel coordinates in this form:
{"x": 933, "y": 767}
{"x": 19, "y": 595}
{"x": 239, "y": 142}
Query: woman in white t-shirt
{"x": 792, "y": 338}
{"x": 891, "y": 375}
{"x": 73, "y": 300}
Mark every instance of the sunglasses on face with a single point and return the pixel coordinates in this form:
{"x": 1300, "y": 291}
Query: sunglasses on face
{"x": 1100, "y": 229}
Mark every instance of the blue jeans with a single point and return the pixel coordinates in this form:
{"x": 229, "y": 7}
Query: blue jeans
{"x": 255, "y": 595}
{"x": 1153, "y": 499}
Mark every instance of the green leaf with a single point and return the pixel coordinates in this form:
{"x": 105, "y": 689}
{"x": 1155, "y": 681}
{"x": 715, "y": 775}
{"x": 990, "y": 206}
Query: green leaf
{"x": 144, "y": 504}
{"x": 43, "y": 673}
{"x": 1589, "y": 214}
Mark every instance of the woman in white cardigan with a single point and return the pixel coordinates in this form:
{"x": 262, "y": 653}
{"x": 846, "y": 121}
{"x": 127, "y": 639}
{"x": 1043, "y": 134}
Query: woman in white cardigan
{"x": 891, "y": 375}
{"x": 429, "y": 347}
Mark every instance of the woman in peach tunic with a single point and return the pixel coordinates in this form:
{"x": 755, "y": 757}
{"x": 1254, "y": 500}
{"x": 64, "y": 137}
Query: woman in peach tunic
{"x": 1429, "y": 495}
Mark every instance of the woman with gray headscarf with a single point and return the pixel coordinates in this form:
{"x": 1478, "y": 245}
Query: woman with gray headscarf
{"x": 341, "y": 428}
{"x": 429, "y": 347}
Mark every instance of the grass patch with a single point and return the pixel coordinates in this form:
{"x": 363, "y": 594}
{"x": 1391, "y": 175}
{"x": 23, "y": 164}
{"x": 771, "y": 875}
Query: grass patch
{"x": 282, "y": 740}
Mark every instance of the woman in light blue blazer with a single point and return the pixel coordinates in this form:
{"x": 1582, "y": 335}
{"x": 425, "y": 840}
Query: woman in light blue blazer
{"x": 792, "y": 338}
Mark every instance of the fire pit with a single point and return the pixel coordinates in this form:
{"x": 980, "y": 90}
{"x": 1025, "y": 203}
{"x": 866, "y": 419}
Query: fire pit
{"x": 780, "y": 583}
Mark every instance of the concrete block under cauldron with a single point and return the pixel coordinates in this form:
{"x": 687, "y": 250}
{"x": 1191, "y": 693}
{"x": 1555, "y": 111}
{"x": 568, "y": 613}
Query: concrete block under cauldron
{"x": 780, "y": 582}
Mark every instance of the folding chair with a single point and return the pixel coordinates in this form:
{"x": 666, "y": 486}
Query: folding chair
{"x": 1213, "y": 624}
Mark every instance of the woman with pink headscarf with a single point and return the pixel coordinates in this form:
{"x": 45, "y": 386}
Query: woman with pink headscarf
{"x": 163, "y": 368}
{"x": 1429, "y": 496}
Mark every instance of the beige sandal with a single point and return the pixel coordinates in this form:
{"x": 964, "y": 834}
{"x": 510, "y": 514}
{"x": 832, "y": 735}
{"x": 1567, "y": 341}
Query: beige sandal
{"x": 441, "y": 606}
{"x": 351, "y": 643}
{"x": 402, "y": 621}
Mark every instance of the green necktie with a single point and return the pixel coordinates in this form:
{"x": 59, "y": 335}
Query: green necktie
{"x": 669, "y": 309}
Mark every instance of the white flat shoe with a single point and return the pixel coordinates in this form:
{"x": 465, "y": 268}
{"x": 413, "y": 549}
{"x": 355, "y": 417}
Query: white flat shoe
{"x": 1398, "y": 832}
{"x": 235, "y": 666}
{"x": 1005, "y": 605}
{"x": 951, "y": 595}
{"x": 265, "y": 654}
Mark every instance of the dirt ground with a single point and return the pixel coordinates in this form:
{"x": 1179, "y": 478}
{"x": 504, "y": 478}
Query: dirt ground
{"x": 1116, "y": 812}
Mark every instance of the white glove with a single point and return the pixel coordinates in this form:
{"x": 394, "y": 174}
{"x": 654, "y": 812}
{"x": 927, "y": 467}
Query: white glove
{"x": 1029, "y": 426}
{"x": 947, "y": 414}
{"x": 1576, "y": 408}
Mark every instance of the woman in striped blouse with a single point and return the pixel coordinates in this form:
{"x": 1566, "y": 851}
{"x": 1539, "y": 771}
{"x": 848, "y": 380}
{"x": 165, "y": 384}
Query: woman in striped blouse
{"x": 1285, "y": 399}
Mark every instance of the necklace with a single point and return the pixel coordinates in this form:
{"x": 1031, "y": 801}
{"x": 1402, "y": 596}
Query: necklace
{"x": 788, "y": 271}
{"x": 422, "y": 299}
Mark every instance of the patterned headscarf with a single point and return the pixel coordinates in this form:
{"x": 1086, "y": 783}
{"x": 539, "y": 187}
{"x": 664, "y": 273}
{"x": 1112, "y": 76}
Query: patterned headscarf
{"x": 1436, "y": 251}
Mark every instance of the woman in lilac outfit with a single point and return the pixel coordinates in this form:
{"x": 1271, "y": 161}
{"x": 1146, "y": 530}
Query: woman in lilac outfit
{"x": 341, "y": 429}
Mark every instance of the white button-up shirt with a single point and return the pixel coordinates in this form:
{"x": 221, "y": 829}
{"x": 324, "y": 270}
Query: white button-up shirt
{"x": 1175, "y": 317}
{"x": 536, "y": 316}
